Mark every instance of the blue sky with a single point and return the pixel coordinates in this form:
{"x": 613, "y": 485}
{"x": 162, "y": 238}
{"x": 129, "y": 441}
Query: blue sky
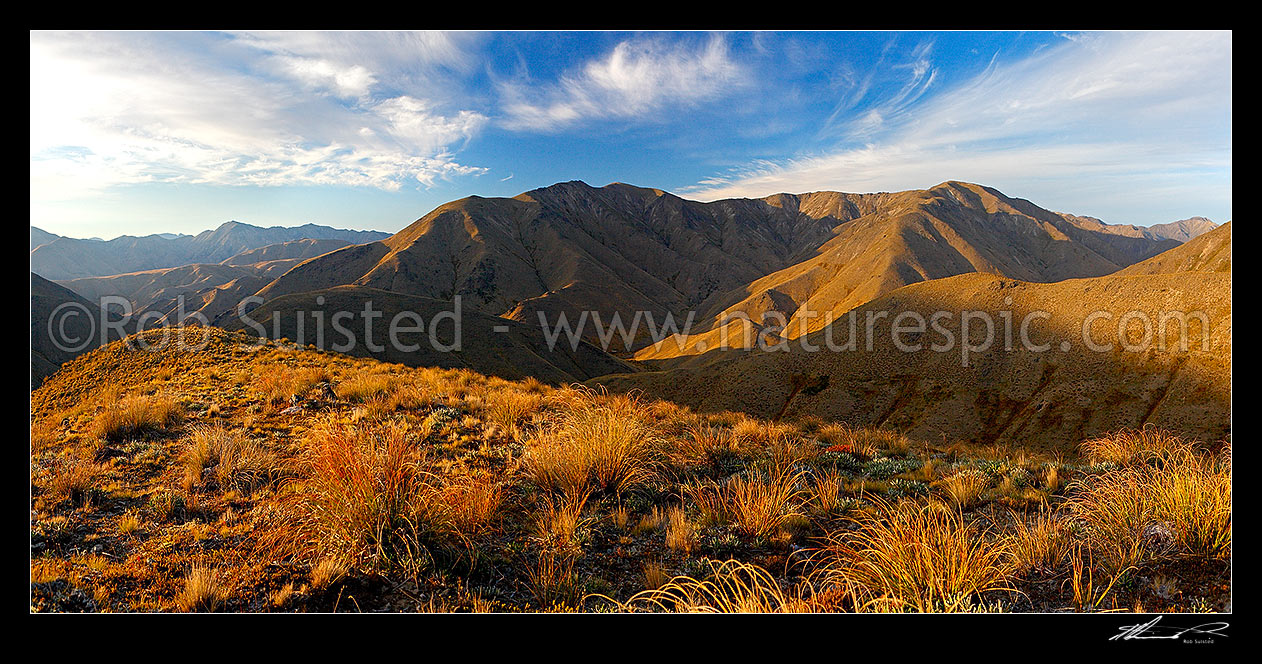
{"x": 145, "y": 132}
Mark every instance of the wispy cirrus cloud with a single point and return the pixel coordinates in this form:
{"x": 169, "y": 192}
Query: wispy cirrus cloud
{"x": 636, "y": 80}
{"x": 1110, "y": 118}
{"x": 263, "y": 110}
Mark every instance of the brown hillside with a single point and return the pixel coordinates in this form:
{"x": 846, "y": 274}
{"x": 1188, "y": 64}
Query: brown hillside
{"x": 1210, "y": 252}
{"x": 572, "y": 248}
{"x": 488, "y": 344}
{"x": 1051, "y": 399}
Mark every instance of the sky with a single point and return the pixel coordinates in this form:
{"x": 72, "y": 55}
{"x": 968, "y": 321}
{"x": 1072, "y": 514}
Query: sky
{"x": 176, "y": 132}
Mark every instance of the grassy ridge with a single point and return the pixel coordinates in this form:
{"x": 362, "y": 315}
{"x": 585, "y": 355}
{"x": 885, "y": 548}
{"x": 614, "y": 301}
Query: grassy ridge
{"x": 246, "y": 478}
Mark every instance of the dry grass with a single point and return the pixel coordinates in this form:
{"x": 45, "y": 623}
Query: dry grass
{"x": 511, "y": 409}
{"x": 827, "y": 494}
{"x": 1134, "y": 446}
{"x": 130, "y": 524}
{"x": 326, "y": 572}
{"x": 363, "y": 388}
{"x": 473, "y": 503}
{"x": 560, "y": 520}
{"x": 218, "y": 456}
{"x": 681, "y": 535}
{"x": 917, "y": 557}
{"x": 73, "y": 479}
{"x": 595, "y": 447}
{"x": 135, "y": 416}
{"x": 1180, "y": 507}
{"x": 284, "y": 384}
{"x": 758, "y": 504}
{"x": 372, "y": 497}
{"x": 965, "y": 488}
{"x": 202, "y": 591}
{"x": 552, "y": 581}
{"x": 731, "y": 587}
{"x": 709, "y": 446}
{"x": 1041, "y": 544}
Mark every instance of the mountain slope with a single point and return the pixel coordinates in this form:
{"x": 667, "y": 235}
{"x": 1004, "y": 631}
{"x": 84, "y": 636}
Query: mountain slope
{"x": 71, "y": 258}
{"x": 63, "y": 326}
{"x": 914, "y": 236}
{"x": 487, "y": 344}
{"x": 41, "y": 237}
{"x": 1051, "y": 399}
{"x": 571, "y": 248}
{"x": 1210, "y": 252}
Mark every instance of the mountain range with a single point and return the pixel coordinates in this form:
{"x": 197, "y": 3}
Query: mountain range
{"x": 58, "y": 258}
{"x": 791, "y": 263}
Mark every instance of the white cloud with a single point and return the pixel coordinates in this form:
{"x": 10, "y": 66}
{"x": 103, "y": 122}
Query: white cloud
{"x": 1093, "y": 121}
{"x": 114, "y": 109}
{"x": 635, "y": 80}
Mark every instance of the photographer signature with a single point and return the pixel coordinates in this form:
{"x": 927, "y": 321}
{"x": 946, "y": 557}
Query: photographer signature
{"x": 1151, "y": 630}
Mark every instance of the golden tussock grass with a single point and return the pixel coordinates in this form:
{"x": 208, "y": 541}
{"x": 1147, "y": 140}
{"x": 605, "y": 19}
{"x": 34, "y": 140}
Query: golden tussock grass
{"x": 372, "y": 496}
{"x": 731, "y": 586}
{"x": 1134, "y": 446}
{"x": 73, "y": 479}
{"x": 596, "y": 446}
{"x": 227, "y": 459}
{"x": 1040, "y": 544}
{"x": 757, "y": 503}
{"x": 559, "y": 520}
{"x": 965, "y": 488}
{"x": 924, "y": 558}
{"x": 283, "y": 384}
{"x": 364, "y": 387}
{"x": 705, "y": 445}
{"x": 203, "y": 591}
{"x": 135, "y": 416}
{"x": 681, "y": 535}
{"x": 512, "y": 409}
{"x": 1179, "y": 506}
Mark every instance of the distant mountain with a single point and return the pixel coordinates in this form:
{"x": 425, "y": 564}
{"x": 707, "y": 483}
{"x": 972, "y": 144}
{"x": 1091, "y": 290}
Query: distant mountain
{"x": 572, "y": 248}
{"x": 1185, "y": 229}
{"x": 71, "y": 258}
{"x": 41, "y": 237}
{"x": 1179, "y": 231}
{"x": 294, "y": 249}
{"x": 210, "y": 289}
{"x": 1209, "y": 252}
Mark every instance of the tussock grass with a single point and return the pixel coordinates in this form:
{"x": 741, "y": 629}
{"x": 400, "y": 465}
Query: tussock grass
{"x": 135, "y": 416}
{"x": 731, "y": 586}
{"x": 227, "y": 459}
{"x": 373, "y": 497}
{"x": 709, "y": 446}
{"x": 1041, "y": 544}
{"x": 680, "y": 533}
{"x": 757, "y": 503}
{"x": 559, "y": 521}
{"x": 511, "y": 409}
{"x": 203, "y": 591}
{"x": 965, "y": 488}
{"x": 916, "y": 557}
{"x": 284, "y": 384}
{"x": 1129, "y": 446}
{"x": 73, "y": 479}
{"x": 1180, "y": 506}
{"x": 552, "y": 581}
{"x": 828, "y": 492}
{"x": 363, "y": 388}
{"x": 602, "y": 447}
